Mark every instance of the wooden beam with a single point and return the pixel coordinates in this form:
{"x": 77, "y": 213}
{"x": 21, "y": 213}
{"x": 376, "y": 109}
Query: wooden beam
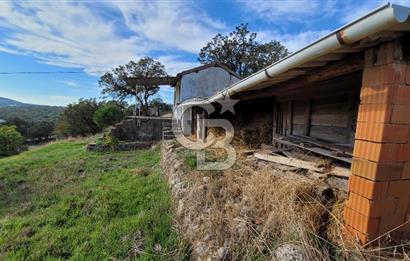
{"x": 308, "y": 110}
{"x": 340, "y": 172}
{"x": 288, "y": 161}
{"x": 314, "y": 77}
{"x": 290, "y": 127}
{"x": 342, "y": 67}
{"x": 303, "y": 89}
{"x": 320, "y": 151}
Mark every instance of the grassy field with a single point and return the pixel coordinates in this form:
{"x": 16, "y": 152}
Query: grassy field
{"x": 61, "y": 202}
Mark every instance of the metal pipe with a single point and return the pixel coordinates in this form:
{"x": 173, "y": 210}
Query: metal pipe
{"x": 376, "y": 21}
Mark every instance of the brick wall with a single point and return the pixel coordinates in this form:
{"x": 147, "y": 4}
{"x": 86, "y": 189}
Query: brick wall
{"x": 379, "y": 187}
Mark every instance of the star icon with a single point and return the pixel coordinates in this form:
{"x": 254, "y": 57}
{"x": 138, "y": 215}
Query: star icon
{"x": 227, "y": 104}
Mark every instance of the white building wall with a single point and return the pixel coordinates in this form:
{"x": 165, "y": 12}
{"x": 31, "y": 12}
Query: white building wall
{"x": 205, "y": 83}
{"x": 201, "y": 84}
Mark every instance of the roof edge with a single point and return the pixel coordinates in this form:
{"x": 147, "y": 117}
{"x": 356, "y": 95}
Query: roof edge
{"x": 375, "y": 21}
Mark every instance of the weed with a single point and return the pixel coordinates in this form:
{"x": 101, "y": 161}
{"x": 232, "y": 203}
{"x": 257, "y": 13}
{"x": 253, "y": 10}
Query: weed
{"x": 61, "y": 202}
{"x": 190, "y": 159}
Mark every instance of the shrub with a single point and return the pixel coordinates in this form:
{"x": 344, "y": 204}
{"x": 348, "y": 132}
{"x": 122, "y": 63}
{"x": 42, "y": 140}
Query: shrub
{"x": 11, "y": 141}
{"x": 108, "y": 114}
{"x": 77, "y": 119}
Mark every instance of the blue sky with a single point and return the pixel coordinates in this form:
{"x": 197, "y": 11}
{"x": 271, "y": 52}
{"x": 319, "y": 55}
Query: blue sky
{"x": 90, "y": 37}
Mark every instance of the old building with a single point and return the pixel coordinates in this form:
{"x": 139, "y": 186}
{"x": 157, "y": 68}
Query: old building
{"x": 197, "y": 83}
{"x": 348, "y": 96}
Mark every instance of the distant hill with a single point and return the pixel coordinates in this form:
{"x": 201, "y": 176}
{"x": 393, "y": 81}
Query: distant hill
{"x": 29, "y": 112}
{"x": 5, "y": 102}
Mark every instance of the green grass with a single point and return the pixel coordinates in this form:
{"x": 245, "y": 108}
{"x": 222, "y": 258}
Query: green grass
{"x": 61, "y": 202}
{"x": 190, "y": 159}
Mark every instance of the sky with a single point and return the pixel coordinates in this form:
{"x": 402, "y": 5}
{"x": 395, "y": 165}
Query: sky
{"x": 88, "y": 38}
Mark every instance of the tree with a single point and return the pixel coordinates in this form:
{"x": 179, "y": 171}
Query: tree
{"x": 77, "y": 119}
{"x": 11, "y": 141}
{"x": 113, "y": 83}
{"x": 108, "y": 114}
{"x": 22, "y": 126}
{"x": 42, "y": 129}
{"x": 241, "y": 52}
{"x": 160, "y": 106}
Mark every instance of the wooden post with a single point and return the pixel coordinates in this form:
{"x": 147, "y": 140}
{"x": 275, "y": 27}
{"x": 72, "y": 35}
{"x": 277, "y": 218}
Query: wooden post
{"x": 136, "y": 100}
{"x": 290, "y": 118}
{"x": 308, "y": 107}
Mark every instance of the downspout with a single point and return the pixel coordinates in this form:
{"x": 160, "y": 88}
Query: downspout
{"x": 376, "y": 21}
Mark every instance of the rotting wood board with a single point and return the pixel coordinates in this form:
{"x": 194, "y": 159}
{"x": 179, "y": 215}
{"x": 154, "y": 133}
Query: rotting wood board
{"x": 340, "y": 172}
{"x": 320, "y": 151}
{"x": 288, "y": 161}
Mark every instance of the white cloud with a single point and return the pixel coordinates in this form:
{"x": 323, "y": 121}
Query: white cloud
{"x": 175, "y": 64}
{"x": 71, "y": 83}
{"x": 65, "y": 34}
{"x": 289, "y": 10}
{"x": 172, "y": 24}
{"x": 308, "y": 11}
{"x": 77, "y": 34}
{"x": 292, "y": 41}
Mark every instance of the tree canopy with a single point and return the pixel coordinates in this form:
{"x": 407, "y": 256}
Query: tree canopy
{"x": 77, "y": 119}
{"x": 113, "y": 82}
{"x": 108, "y": 114}
{"x": 33, "y": 129}
{"x": 11, "y": 141}
{"x": 240, "y": 51}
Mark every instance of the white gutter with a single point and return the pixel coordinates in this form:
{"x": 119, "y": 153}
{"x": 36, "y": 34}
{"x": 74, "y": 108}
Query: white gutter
{"x": 376, "y": 21}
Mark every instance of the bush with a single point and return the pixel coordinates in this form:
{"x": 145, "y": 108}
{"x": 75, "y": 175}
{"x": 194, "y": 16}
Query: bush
{"x": 108, "y": 114}
{"x": 11, "y": 141}
{"x": 77, "y": 119}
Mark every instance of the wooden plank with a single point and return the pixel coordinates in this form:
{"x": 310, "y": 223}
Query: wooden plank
{"x": 346, "y": 66}
{"x": 294, "y": 88}
{"x": 298, "y": 118}
{"x": 289, "y": 162}
{"x": 308, "y": 115}
{"x": 330, "y": 119}
{"x": 340, "y": 148}
{"x": 340, "y": 172}
{"x": 290, "y": 117}
{"x": 320, "y": 151}
{"x": 328, "y": 133}
{"x": 298, "y": 129}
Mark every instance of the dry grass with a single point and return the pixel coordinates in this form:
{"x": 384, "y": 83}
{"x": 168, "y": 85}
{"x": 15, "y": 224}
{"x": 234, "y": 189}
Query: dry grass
{"x": 251, "y": 213}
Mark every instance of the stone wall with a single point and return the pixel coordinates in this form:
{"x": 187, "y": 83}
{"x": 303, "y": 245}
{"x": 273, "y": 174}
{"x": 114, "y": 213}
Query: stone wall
{"x": 140, "y": 128}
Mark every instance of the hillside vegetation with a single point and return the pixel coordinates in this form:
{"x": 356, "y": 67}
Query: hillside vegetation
{"x": 61, "y": 202}
{"x": 29, "y": 112}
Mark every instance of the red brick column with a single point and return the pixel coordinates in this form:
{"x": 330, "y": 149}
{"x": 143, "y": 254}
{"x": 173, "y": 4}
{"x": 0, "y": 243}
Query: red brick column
{"x": 379, "y": 187}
